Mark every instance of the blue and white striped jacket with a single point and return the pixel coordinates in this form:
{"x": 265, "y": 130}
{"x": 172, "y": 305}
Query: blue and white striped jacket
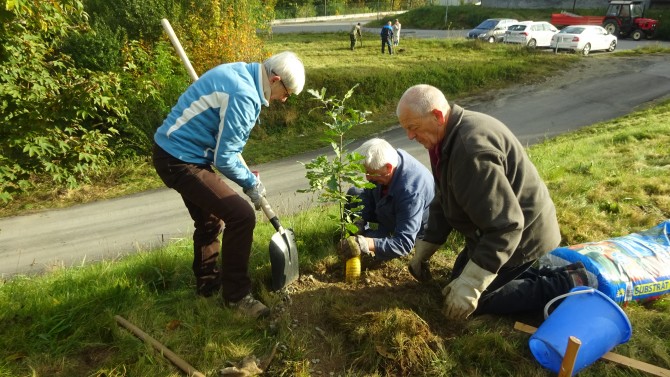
{"x": 211, "y": 123}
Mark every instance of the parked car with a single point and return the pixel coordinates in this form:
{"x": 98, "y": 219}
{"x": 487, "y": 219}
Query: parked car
{"x": 491, "y": 30}
{"x": 584, "y": 39}
{"x": 530, "y": 33}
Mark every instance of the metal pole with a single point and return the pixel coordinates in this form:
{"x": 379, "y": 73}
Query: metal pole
{"x": 446, "y": 15}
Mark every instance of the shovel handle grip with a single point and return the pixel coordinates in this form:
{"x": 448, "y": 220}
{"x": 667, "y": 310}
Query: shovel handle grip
{"x": 270, "y": 214}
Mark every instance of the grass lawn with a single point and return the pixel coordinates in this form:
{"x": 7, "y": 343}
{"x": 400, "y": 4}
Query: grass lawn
{"x": 606, "y": 180}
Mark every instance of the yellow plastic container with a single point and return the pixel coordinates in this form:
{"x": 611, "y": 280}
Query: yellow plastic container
{"x": 352, "y": 270}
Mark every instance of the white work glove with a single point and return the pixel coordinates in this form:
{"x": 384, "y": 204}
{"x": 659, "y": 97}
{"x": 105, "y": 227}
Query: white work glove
{"x": 353, "y": 246}
{"x": 462, "y": 294}
{"x": 256, "y": 193}
{"x": 419, "y": 266}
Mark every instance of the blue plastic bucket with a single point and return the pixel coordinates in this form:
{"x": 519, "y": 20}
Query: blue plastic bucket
{"x": 585, "y": 313}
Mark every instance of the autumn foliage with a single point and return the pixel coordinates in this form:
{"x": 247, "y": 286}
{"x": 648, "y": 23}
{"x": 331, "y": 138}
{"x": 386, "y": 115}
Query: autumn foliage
{"x": 83, "y": 82}
{"x": 223, "y": 31}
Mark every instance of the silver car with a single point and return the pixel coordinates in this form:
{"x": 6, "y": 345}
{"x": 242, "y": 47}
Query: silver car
{"x": 584, "y": 39}
{"x": 530, "y": 33}
{"x": 491, "y": 30}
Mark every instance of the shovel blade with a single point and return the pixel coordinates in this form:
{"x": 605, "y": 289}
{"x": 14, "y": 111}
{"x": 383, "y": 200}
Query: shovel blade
{"x": 283, "y": 259}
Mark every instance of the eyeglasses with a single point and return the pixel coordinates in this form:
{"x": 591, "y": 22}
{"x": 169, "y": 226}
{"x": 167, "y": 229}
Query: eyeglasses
{"x": 281, "y": 81}
{"x": 378, "y": 173}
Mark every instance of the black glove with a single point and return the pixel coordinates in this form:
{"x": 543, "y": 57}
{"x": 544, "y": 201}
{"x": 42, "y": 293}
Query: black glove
{"x": 360, "y": 224}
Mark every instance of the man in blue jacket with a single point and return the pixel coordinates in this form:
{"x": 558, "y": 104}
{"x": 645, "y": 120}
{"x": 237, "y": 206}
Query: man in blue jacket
{"x": 387, "y": 35}
{"x": 398, "y": 204}
{"x": 207, "y": 130}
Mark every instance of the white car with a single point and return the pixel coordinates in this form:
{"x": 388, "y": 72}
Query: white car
{"x": 530, "y": 33}
{"x": 583, "y": 39}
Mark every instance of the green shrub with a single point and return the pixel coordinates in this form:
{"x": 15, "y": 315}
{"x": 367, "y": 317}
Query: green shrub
{"x": 98, "y": 50}
{"x": 56, "y": 119}
{"x": 153, "y": 79}
{"x": 663, "y": 17}
{"x": 138, "y": 19}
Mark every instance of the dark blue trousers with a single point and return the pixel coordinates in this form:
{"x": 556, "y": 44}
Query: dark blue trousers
{"x": 518, "y": 288}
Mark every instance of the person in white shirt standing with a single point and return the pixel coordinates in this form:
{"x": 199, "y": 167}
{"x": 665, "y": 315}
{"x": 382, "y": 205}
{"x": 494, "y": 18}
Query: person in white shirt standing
{"x": 396, "y": 32}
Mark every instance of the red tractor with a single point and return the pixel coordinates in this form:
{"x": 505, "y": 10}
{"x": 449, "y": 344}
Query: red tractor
{"x": 626, "y": 18}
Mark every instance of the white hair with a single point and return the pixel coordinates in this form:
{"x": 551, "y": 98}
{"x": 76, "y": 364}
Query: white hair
{"x": 289, "y": 67}
{"x": 378, "y": 153}
{"x": 422, "y": 99}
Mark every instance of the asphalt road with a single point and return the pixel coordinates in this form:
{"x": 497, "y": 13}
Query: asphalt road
{"x": 112, "y": 228}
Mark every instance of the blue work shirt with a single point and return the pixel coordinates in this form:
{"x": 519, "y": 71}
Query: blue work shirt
{"x": 403, "y": 212}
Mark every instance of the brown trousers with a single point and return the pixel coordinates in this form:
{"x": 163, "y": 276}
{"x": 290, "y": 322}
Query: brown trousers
{"x": 210, "y": 201}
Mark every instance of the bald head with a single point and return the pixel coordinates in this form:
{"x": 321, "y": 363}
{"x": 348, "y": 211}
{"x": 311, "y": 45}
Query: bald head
{"x": 423, "y": 112}
{"x": 422, "y": 99}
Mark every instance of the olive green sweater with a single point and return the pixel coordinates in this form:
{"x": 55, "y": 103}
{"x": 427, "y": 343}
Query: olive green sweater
{"x": 488, "y": 189}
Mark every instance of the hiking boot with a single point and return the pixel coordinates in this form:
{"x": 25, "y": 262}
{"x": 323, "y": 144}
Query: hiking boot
{"x": 251, "y": 307}
{"x": 208, "y": 286}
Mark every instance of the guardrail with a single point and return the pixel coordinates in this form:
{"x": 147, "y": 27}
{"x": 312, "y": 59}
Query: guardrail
{"x": 338, "y": 17}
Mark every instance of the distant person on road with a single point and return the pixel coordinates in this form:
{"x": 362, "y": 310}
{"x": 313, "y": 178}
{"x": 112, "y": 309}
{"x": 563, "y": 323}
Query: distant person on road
{"x": 387, "y": 35}
{"x": 398, "y": 204}
{"x": 488, "y": 190}
{"x": 396, "y": 32}
{"x": 207, "y": 129}
{"x": 355, "y": 35}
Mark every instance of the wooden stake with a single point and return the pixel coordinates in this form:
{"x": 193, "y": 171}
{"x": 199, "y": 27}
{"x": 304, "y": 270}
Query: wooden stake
{"x": 613, "y": 357}
{"x": 178, "y": 361}
{"x": 568, "y": 364}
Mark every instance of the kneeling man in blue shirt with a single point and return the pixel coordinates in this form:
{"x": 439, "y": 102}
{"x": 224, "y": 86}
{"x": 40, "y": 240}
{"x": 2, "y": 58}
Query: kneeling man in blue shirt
{"x": 398, "y": 203}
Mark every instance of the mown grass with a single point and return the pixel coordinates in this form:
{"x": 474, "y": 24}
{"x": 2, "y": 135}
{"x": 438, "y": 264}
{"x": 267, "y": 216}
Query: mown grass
{"x": 458, "y": 67}
{"x": 606, "y": 180}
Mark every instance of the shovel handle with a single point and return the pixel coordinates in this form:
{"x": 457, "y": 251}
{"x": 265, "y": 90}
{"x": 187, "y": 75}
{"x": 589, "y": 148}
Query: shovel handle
{"x": 180, "y": 50}
{"x": 270, "y": 214}
{"x": 173, "y": 357}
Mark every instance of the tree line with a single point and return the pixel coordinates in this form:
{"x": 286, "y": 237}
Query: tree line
{"x": 85, "y": 81}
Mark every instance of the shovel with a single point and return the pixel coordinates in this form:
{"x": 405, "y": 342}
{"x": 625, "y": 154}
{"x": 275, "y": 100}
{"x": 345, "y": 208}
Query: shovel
{"x": 283, "y": 249}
